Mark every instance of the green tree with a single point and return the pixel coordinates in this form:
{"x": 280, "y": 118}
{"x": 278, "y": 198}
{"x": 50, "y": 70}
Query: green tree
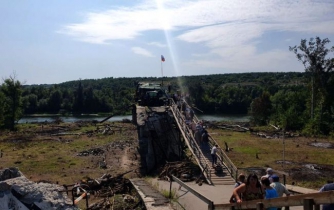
{"x": 12, "y": 90}
{"x": 78, "y": 99}
{"x": 32, "y": 103}
{"x": 314, "y": 56}
{"x": 2, "y": 109}
{"x": 288, "y": 109}
{"x": 55, "y": 101}
{"x": 197, "y": 92}
{"x": 261, "y": 109}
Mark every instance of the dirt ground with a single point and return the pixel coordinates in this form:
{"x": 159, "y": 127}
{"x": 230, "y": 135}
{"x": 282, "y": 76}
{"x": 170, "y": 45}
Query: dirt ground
{"x": 65, "y": 153}
{"x": 71, "y": 150}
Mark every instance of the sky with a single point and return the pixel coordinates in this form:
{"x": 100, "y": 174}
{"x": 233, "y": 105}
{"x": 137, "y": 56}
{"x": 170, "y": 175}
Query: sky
{"x": 50, "y": 42}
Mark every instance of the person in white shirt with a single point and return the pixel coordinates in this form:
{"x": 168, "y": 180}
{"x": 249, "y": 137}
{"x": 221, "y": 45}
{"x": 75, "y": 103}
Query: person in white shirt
{"x": 279, "y": 187}
{"x": 214, "y": 155}
{"x": 270, "y": 173}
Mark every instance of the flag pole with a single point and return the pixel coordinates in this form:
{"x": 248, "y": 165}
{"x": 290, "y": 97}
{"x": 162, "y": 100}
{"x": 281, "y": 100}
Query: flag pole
{"x": 162, "y": 74}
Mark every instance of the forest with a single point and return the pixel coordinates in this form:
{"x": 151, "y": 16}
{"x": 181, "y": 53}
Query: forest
{"x": 300, "y": 101}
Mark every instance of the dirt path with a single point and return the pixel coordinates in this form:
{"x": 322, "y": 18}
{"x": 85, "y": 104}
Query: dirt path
{"x": 126, "y": 162}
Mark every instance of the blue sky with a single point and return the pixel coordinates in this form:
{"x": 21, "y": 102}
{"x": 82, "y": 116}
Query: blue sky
{"x": 48, "y": 42}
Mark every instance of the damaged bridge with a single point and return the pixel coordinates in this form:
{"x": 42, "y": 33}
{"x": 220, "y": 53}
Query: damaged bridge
{"x": 164, "y": 134}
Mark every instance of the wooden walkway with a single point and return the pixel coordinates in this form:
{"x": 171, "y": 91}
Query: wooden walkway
{"x": 219, "y": 175}
{"x": 152, "y": 198}
{"x": 202, "y": 153}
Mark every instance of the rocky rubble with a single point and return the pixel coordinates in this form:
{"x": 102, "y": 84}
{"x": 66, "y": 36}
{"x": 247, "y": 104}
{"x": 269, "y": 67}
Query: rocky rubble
{"x": 17, "y": 192}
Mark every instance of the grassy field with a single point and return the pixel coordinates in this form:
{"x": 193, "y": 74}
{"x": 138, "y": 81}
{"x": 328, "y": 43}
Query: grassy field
{"x": 251, "y": 151}
{"x": 41, "y": 156}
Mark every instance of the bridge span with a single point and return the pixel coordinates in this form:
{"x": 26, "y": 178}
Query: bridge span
{"x": 163, "y": 132}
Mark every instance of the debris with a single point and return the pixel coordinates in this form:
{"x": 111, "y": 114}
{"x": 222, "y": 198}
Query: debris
{"x": 95, "y": 152}
{"x": 185, "y": 171}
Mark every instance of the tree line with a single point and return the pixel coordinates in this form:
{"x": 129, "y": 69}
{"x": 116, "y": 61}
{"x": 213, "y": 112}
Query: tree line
{"x": 291, "y": 100}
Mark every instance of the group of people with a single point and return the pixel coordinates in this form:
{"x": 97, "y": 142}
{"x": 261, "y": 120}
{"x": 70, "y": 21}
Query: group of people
{"x": 267, "y": 187}
{"x": 253, "y": 188}
{"x": 201, "y": 136}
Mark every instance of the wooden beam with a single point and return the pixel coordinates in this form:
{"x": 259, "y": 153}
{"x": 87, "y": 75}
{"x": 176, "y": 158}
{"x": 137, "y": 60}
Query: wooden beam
{"x": 295, "y": 200}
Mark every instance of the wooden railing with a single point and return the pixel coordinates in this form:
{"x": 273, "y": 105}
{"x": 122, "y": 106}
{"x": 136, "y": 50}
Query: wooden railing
{"x": 193, "y": 191}
{"x": 308, "y": 201}
{"x": 190, "y": 141}
{"x": 221, "y": 155}
{"x": 225, "y": 160}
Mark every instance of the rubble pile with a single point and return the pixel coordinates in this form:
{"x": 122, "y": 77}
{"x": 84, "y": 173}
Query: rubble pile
{"x": 185, "y": 171}
{"x": 95, "y": 152}
{"x": 108, "y": 191}
{"x": 17, "y": 192}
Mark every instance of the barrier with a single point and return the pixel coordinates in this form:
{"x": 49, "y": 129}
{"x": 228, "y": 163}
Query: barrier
{"x": 76, "y": 190}
{"x": 308, "y": 201}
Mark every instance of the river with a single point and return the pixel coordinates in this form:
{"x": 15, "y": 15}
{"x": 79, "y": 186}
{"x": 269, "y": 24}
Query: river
{"x": 48, "y": 118}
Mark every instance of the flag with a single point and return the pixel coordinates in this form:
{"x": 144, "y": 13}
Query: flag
{"x": 162, "y": 58}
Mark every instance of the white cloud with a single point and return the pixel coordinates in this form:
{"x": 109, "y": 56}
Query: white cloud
{"x": 142, "y": 51}
{"x": 157, "y": 44}
{"x": 129, "y": 23}
{"x": 228, "y": 30}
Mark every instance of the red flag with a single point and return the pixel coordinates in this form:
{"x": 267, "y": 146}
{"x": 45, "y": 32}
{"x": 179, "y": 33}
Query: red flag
{"x": 162, "y": 58}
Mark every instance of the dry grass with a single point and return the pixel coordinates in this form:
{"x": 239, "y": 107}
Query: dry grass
{"x": 270, "y": 154}
{"x": 54, "y": 158}
{"x": 51, "y": 158}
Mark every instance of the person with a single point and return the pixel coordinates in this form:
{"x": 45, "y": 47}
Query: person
{"x": 214, "y": 155}
{"x": 270, "y": 172}
{"x": 270, "y": 191}
{"x": 191, "y": 114}
{"x": 279, "y": 187}
{"x": 241, "y": 180}
{"x": 251, "y": 190}
{"x": 205, "y": 137}
{"x": 198, "y": 136}
{"x": 193, "y": 128}
{"x": 327, "y": 187}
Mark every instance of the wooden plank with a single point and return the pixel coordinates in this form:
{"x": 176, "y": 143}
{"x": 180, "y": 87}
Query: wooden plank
{"x": 197, "y": 194}
{"x": 295, "y": 200}
{"x": 300, "y": 190}
{"x": 76, "y": 201}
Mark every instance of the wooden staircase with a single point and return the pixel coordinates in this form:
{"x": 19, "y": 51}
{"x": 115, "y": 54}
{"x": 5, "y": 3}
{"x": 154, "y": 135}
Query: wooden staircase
{"x": 202, "y": 153}
{"x": 219, "y": 174}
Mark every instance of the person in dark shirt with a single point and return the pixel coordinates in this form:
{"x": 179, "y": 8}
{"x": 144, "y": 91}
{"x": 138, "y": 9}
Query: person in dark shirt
{"x": 251, "y": 190}
{"x": 327, "y": 187}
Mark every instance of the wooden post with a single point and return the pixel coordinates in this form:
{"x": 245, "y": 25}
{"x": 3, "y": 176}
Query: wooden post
{"x": 308, "y": 204}
{"x": 317, "y": 207}
{"x": 170, "y": 187}
{"x": 210, "y": 206}
{"x": 259, "y": 206}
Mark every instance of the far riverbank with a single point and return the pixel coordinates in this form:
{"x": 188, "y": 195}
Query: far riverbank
{"x": 50, "y": 118}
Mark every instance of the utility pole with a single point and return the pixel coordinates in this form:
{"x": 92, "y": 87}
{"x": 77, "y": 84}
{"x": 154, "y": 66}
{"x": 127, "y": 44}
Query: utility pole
{"x": 312, "y": 102}
{"x": 283, "y": 149}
